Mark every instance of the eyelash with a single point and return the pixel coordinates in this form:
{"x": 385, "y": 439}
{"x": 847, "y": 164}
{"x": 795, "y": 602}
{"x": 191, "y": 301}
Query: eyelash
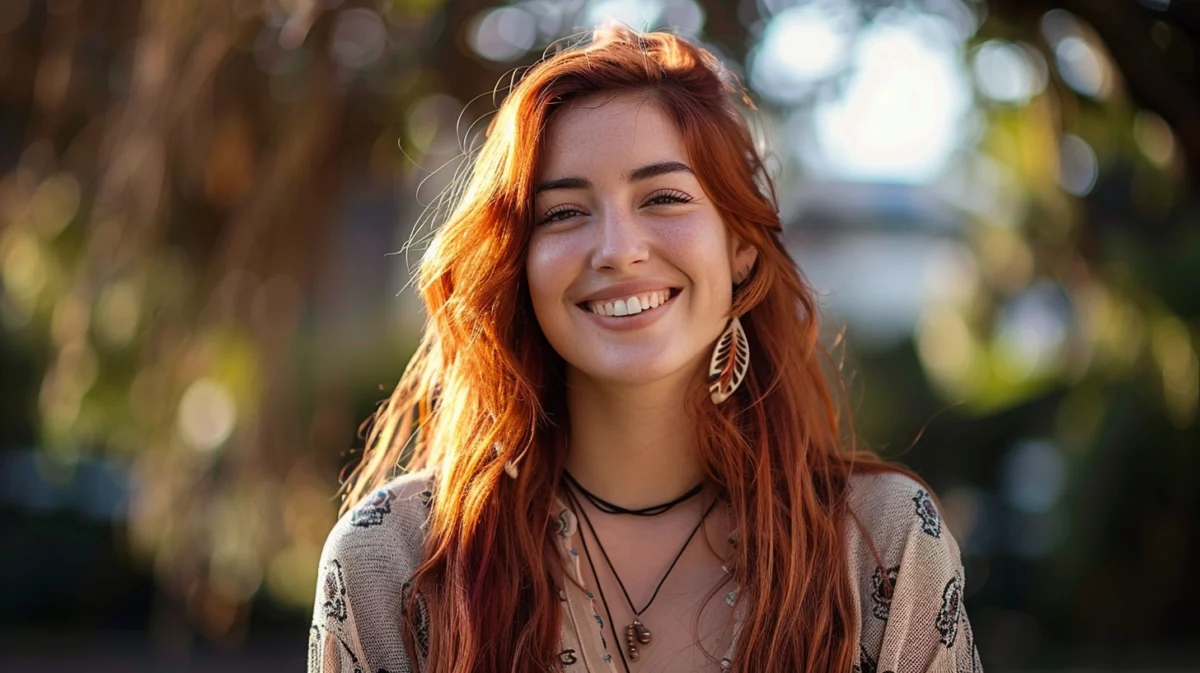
{"x": 673, "y": 196}
{"x": 552, "y": 215}
{"x": 670, "y": 196}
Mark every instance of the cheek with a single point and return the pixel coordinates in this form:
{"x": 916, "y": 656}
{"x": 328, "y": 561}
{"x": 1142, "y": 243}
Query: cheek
{"x": 547, "y": 272}
{"x": 701, "y": 249}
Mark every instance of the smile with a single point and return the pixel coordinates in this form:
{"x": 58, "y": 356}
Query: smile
{"x": 631, "y": 305}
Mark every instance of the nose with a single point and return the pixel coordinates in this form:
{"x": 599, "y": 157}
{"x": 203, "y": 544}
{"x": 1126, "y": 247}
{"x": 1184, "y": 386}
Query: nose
{"x": 620, "y": 241}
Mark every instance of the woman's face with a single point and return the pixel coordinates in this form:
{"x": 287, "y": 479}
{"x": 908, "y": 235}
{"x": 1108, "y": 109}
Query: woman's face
{"x": 629, "y": 266}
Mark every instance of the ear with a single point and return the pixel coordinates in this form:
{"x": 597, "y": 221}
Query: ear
{"x": 742, "y": 257}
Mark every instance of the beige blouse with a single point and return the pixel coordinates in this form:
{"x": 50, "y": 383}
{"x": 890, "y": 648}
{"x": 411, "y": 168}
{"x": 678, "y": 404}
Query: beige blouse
{"x": 909, "y": 608}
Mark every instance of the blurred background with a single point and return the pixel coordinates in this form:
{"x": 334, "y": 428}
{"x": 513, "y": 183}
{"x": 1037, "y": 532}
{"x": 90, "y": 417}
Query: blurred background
{"x": 203, "y": 210}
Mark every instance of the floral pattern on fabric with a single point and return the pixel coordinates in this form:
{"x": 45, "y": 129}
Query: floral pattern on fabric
{"x": 353, "y": 657}
{"x": 976, "y": 666}
{"x": 866, "y": 663}
{"x": 947, "y": 619}
{"x": 931, "y": 521}
{"x": 335, "y": 591}
{"x": 372, "y": 510}
{"x": 912, "y": 561}
{"x": 421, "y": 623}
{"x": 314, "y": 647}
{"x": 882, "y": 588}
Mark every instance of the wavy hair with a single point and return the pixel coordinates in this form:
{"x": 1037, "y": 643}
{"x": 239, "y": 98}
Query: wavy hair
{"x": 485, "y": 388}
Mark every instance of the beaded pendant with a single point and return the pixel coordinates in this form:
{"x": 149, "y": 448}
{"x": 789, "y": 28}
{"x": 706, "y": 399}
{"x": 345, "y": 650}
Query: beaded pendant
{"x": 635, "y": 633}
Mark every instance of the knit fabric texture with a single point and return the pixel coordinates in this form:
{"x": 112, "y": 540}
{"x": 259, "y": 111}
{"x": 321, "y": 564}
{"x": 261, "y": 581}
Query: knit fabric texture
{"x": 908, "y": 591}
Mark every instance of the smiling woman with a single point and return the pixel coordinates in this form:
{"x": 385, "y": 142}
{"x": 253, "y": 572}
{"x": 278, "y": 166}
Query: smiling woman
{"x": 617, "y": 337}
{"x": 621, "y": 218}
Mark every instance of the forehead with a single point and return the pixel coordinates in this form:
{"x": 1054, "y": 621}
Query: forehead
{"x": 615, "y": 134}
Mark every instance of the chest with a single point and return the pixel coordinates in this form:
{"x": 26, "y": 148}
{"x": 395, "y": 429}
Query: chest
{"x": 690, "y": 629}
{"x": 680, "y": 595}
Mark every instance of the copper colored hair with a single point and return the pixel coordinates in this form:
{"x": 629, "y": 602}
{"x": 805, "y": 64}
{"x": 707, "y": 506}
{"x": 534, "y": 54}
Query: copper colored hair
{"x": 485, "y": 388}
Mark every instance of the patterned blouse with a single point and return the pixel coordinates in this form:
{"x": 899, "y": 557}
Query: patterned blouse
{"x": 909, "y": 608}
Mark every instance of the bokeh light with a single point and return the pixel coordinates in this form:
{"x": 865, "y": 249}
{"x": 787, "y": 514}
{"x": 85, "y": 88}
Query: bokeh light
{"x": 207, "y": 414}
{"x": 800, "y": 46}
{"x": 1078, "y": 167}
{"x": 902, "y": 113}
{"x": 359, "y": 38}
{"x": 1007, "y": 72}
{"x": 639, "y": 14}
{"x": 503, "y": 33}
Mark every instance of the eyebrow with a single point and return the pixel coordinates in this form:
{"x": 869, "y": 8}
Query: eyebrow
{"x": 636, "y": 175}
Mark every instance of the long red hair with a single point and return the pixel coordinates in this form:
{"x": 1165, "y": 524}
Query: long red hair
{"x": 485, "y": 388}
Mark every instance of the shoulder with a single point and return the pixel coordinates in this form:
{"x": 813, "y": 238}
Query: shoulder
{"x": 385, "y": 531}
{"x": 894, "y": 524}
{"x": 363, "y": 576}
{"x": 908, "y": 578}
{"x": 891, "y": 506}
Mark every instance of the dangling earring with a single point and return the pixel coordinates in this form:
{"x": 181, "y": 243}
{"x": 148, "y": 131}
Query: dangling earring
{"x": 730, "y": 362}
{"x": 510, "y": 468}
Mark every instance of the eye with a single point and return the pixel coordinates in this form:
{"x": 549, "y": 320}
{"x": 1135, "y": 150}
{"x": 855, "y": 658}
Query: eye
{"x": 667, "y": 196}
{"x": 560, "y": 213}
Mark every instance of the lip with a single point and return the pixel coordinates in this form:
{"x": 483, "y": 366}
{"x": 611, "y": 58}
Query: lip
{"x": 632, "y": 322}
{"x": 627, "y": 289}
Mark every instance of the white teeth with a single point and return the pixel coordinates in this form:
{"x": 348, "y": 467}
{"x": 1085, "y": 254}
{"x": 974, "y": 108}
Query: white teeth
{"x": 630, "y": 305}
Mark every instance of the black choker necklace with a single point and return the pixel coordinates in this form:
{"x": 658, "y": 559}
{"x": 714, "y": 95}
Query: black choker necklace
{"x": 609, "y": 508}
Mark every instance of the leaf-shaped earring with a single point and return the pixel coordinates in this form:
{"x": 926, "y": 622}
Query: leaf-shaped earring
{"x": 730, "y": 362}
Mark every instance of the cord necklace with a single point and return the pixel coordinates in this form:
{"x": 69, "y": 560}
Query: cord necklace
{"x": 599, "y": 586}
{"x": 636, "y": 632}
{"x": 653, "y": 510}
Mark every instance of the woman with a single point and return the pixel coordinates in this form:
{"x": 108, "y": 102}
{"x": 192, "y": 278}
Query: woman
{"x": 624, "y": 446}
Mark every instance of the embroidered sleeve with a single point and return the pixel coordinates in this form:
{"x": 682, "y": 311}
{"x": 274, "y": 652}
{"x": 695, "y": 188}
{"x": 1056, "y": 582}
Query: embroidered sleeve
{"x": 362, "y": 586}
{"x": 918, "y": 597}
{"x": 333, "y": 644}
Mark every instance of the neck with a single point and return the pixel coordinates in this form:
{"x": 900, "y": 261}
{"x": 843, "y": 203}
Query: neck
{"x": 634, "y": 447}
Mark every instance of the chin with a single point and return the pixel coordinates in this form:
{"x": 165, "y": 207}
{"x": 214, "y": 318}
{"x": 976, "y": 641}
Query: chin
{"x": 635, "y": 371}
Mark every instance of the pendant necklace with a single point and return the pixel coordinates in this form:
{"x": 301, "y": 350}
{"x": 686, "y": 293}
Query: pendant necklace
{"x": 635, "y": 633}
